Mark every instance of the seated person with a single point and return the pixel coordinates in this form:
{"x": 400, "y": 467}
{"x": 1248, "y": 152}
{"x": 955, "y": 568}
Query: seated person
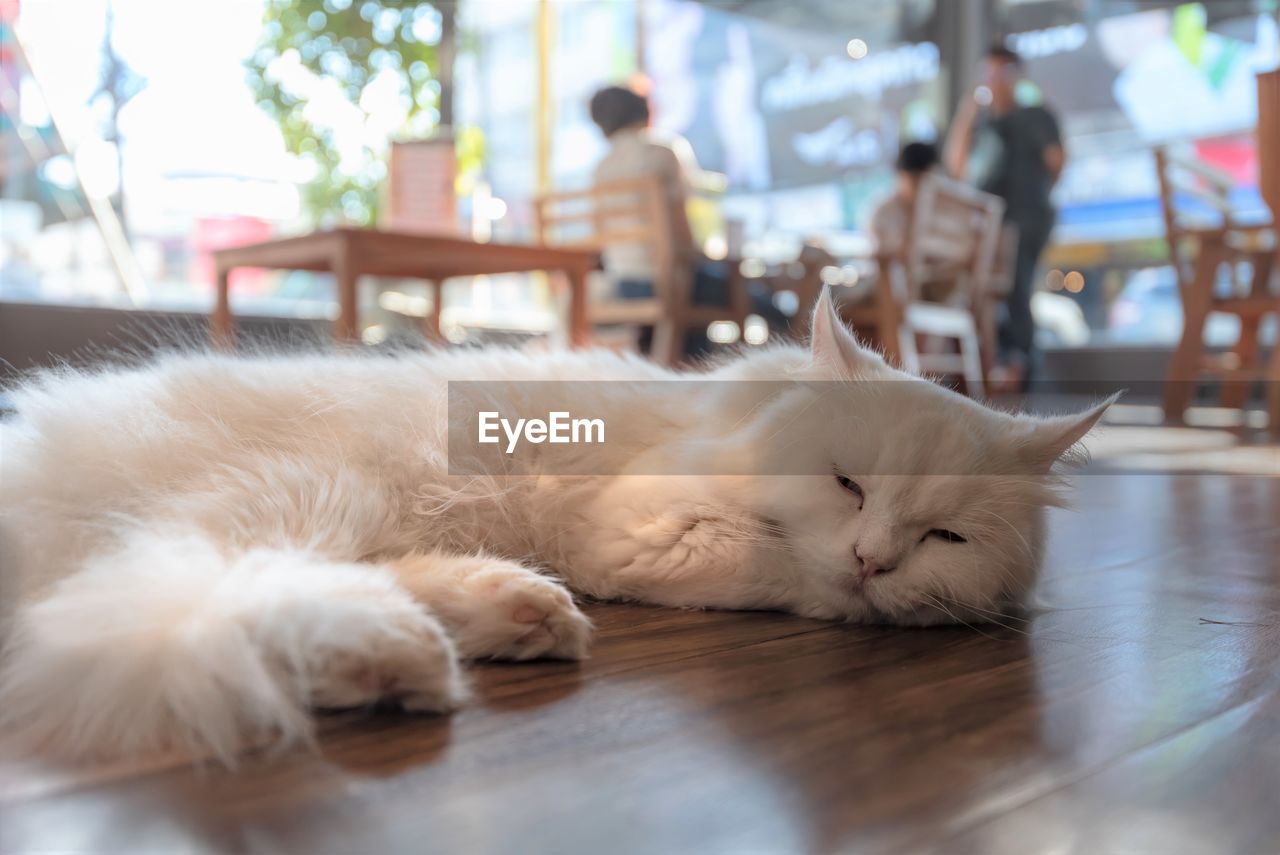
{"x": 891, "y": 221}
{"x": 635, "y": 151}
{"x": 892, "y": 218}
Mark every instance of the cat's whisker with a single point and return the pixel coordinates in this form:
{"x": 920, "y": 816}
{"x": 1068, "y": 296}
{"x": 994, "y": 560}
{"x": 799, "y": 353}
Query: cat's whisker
{"x": 938, "y": 604}
{"x": 993, "y": 616}
{"x": 1027, "y": 548}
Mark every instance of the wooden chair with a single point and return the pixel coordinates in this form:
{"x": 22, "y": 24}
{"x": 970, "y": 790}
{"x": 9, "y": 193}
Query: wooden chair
{"x": 635, "y": 212}
{"x": 1203, "y": 237}
{"x": 953, "y": 236}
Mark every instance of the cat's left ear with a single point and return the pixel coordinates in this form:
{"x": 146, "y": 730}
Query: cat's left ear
{"x": 1052, "y": 439}
{"x": 831, "y": 342}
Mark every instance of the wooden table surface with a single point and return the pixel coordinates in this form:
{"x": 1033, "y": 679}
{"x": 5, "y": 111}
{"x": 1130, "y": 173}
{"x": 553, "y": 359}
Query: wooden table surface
{"x": 349, "y": 253}
{"x": 1139, "y": 714}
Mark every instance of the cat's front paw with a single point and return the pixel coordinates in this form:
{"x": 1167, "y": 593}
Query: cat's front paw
{"x": 397, "y": 652}
{"x": 518, "y": 614}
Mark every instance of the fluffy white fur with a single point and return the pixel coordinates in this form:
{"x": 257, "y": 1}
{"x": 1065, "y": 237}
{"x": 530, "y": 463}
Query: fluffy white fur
{"x": 201, "y": 550}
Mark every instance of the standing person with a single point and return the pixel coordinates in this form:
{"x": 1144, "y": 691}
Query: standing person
{"x": 635, "y": 151}
{"x": 1012, "y": 150}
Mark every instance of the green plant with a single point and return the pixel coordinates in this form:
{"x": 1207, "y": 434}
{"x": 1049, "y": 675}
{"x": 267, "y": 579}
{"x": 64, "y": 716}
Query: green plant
{"x": 340, "y": 77}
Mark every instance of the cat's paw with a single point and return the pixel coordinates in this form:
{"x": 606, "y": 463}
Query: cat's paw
{"x": 410, "y": 662}
{"x": 370, "y": 647}
{"x": 518, "y": 614}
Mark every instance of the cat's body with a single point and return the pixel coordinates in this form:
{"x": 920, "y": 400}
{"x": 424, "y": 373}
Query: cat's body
{"x": 201, "y": 550}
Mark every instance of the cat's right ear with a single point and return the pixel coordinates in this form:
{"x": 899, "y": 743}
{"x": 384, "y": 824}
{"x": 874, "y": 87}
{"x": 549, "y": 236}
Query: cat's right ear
{"x": 831, "y": 343}
{"x": 1053, "y": 438}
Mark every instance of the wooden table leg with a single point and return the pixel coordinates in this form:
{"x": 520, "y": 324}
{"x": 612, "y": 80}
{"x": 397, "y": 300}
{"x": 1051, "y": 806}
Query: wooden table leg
{"x": 1235, "y": 393}
{"x": 1271, "y": 381}
{"x": 579, "y": 327}
{"x": 346, "y": 328}
{"x": 897, "y": 343}
{"x": 1271, "y": 385}
{"x": 984, "y": 318}
{"x": 221, "y": 328}
{"x": 971, "y": 359}
{"x": 1184, "y": 366}
{"x": 431, "y": 322}
{"x": 739, "y": 297}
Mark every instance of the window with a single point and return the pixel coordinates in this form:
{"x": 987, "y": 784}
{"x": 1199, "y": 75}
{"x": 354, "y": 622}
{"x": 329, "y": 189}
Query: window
{"x": 132, "y": 149}
{"x": 1125, "y": 78}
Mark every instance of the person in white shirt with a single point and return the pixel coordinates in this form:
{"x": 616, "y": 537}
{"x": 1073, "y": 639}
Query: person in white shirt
{"x": 637, "y": 151}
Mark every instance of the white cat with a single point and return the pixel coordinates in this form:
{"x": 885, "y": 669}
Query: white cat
{"x": 201, "y": 550}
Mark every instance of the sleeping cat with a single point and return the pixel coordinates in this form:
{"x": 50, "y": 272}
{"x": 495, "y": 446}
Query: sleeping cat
{"x": 199, "y": 551}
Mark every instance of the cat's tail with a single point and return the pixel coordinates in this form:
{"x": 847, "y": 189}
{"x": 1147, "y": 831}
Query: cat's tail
{"x": 144, "y": 650}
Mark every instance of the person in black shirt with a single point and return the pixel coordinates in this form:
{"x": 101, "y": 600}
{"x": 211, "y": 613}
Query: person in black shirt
{"x": 1014, "y": 151}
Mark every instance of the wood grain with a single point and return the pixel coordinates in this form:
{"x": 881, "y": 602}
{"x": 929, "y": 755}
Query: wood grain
{"x": 1138, "y": 712}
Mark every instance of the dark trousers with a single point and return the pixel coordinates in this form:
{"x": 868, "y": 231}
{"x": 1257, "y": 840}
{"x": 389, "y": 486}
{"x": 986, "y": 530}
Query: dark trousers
{"x": 1017, "y": 328}
{"x": 710, "y": 288}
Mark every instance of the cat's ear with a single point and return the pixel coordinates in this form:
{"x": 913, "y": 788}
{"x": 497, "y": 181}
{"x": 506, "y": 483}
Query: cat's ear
{"x": 831, "y": 343}
{"x": 1053, "y": 439}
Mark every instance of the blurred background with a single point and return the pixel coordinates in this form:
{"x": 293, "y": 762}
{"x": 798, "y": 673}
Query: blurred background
{"x": 141, "y": 135}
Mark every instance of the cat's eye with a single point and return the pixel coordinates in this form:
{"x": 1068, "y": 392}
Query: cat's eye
{"x": 849, "y": 484}
{"x": 944, "y": 534}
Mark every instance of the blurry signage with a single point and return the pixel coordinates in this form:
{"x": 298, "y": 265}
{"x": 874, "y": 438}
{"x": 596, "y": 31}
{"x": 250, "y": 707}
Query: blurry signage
{"x": 420, "y": 187}
{"x": 1122, "y": 72}
{"x": 829, "y": 114}
{"x": 804, "y": 82}
{"x": 773, "y": 106}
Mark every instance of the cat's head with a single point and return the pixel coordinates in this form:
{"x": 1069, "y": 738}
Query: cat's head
{"x": 900, "y": 500}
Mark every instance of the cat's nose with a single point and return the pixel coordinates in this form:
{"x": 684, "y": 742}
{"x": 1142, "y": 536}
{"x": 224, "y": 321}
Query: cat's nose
{"x": 871, "y": 565}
